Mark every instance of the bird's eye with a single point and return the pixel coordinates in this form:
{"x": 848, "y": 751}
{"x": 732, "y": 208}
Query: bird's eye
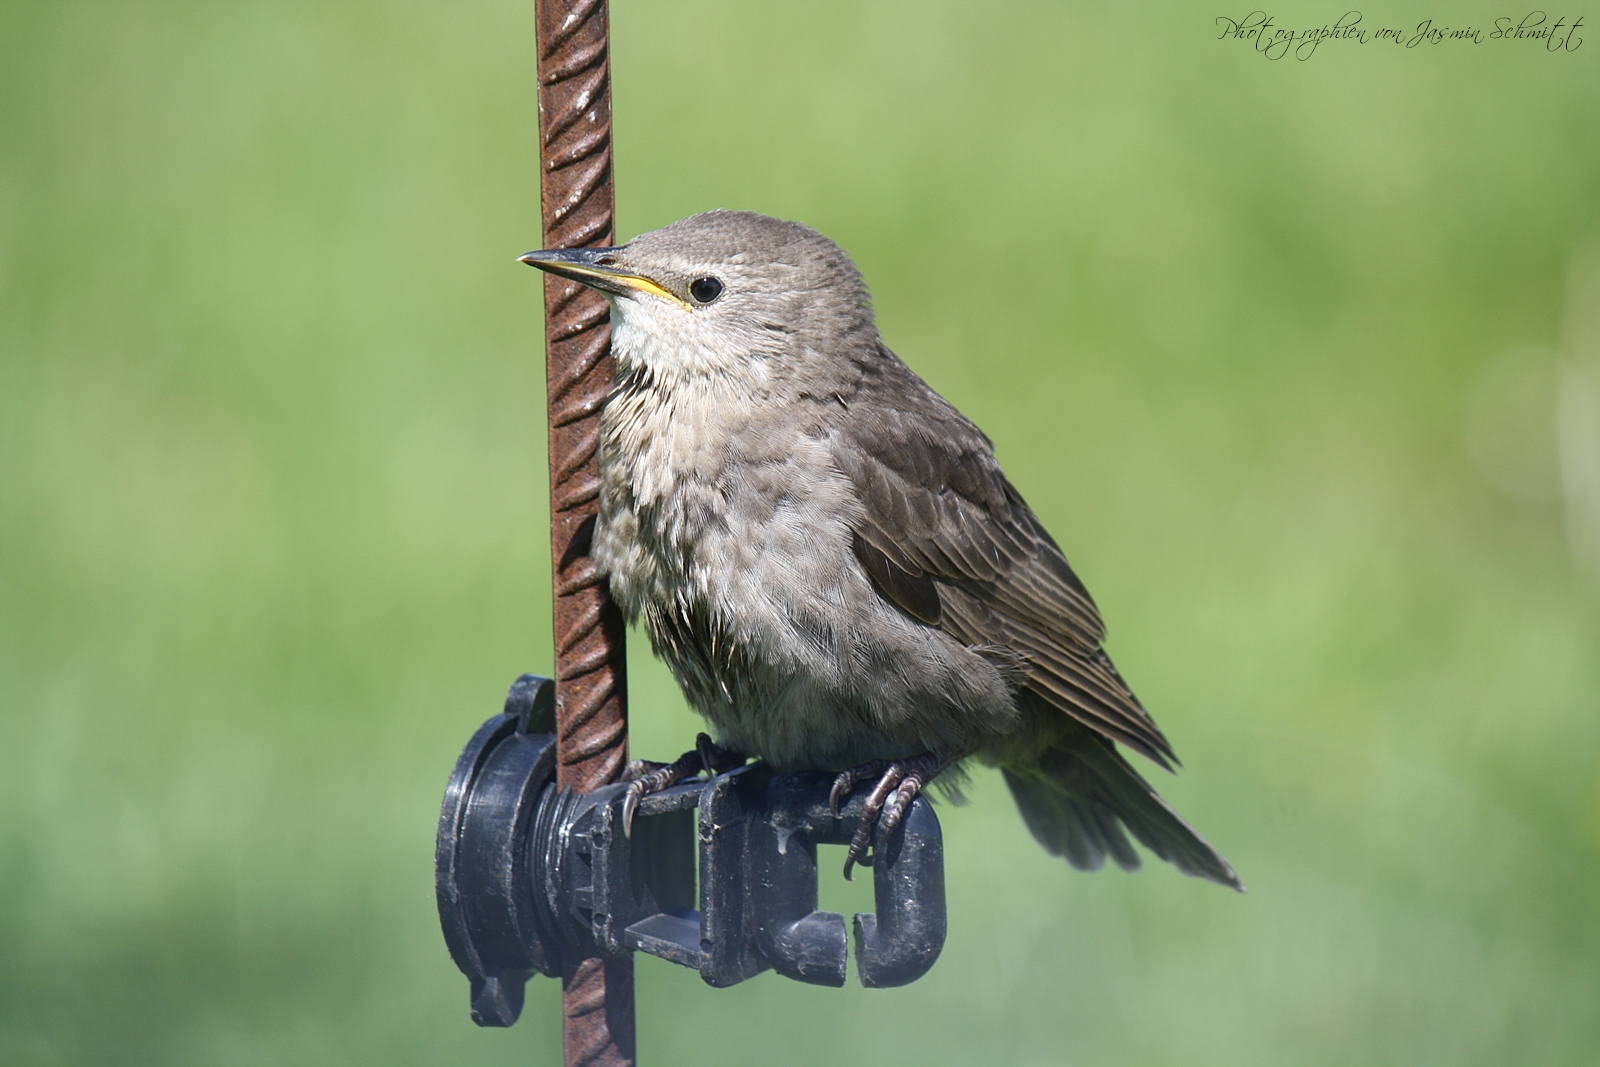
{"x": 705, "y": 290}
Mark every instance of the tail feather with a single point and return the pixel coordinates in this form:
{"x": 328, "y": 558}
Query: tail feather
{"x": 1082, "y": 794}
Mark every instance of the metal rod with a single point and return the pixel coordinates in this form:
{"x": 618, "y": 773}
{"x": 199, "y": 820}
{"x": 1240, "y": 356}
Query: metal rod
{"x": 591, "y": 682}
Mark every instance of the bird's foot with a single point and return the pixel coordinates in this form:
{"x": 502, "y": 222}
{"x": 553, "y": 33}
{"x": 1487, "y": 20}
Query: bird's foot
{"x": 645, "y": 778}
{"x": 899, "y": 782}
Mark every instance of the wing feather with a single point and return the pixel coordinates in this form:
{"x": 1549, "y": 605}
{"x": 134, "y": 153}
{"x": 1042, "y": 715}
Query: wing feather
{"x": 948, "y": 539}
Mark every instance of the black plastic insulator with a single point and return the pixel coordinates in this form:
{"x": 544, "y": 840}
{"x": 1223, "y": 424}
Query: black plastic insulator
{"x": 488, "y": 905}
{"x": 718, "y": 875}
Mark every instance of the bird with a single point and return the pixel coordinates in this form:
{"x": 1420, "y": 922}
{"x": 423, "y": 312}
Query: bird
{"x": 831, "y": 561}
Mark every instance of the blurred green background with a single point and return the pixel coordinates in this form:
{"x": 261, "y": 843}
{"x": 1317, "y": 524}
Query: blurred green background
{"x": 1297, "y": 360}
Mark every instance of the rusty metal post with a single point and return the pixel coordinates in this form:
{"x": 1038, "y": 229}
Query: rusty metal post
{"x": 591, "y": 684}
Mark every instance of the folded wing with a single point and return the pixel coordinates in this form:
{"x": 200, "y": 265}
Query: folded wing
{"x": 947, "y": 538}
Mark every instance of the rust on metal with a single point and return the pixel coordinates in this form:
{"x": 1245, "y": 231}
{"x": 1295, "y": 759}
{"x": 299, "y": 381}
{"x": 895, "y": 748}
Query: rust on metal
{"x": 591, "y": 693}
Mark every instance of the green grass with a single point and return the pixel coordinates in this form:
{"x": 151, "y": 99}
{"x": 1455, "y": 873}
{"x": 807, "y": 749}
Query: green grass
{"x": 272, "y": 528}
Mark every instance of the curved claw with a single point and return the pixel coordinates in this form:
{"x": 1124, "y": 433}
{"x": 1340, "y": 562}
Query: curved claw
{"x": 648, "y": 778}
{"x": 846, "y": 781}
{"x": 841, "y": 786}
{"x": 630, "y": 805}
{"x": 654, "y": 782}
{"x": 862, "y": 838}
{"x": 886, "y": 806}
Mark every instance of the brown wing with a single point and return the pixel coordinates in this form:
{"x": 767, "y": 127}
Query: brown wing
{"x": 949, "y": 540}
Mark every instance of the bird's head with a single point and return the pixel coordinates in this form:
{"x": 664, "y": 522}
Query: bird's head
{"x": 727, "y": 294}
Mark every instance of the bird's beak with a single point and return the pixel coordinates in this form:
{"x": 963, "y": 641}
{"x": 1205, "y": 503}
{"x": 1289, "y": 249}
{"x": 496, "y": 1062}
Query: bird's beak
{"x": 589, "y": 266}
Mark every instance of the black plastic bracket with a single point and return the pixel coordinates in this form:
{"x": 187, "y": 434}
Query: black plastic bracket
{"x": 528, "y": 874}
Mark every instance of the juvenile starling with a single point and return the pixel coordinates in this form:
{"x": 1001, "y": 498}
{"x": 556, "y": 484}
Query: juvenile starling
{"x": 829, "y": 558}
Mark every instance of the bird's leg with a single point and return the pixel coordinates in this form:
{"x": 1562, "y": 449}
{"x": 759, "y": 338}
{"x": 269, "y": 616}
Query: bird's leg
{"x": 898, "y": 784}
{"x": 919, "y": 771}
{"x": 847, "y": 781}
{"x": 645, "y": 778}
{"x": 715, "y": 758}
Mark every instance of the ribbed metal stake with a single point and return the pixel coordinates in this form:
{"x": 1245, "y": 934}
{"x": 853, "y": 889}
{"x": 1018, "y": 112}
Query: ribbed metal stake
{"x": 591, "y": 684}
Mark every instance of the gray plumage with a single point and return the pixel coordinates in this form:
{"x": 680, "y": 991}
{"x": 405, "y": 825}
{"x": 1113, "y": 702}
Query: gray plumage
{"x": 827, "y": 554}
